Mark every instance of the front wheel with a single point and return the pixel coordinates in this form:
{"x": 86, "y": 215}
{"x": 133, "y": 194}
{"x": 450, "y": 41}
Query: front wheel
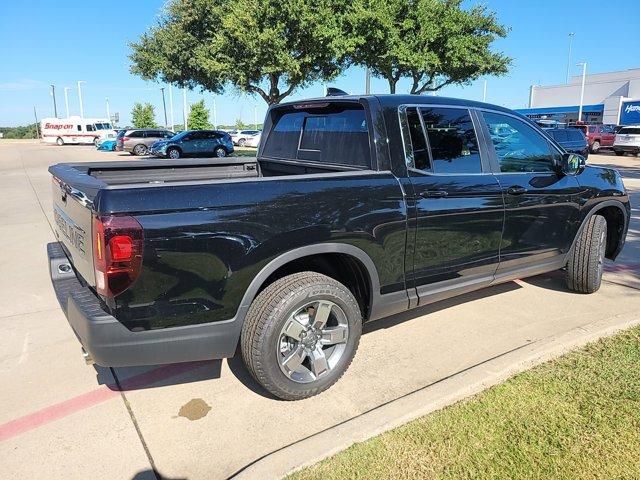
{"x": 619, "y": 152}
{"x": 173, "y": 153}
{"x": 300, "y": 335}
{"x": 595, "y": 147}
{"x": 586, "y": 261}
{"x": 96, "y": 142}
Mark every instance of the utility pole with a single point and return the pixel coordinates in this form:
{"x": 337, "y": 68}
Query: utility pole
{"x": 255, "y": 116}
{"x": 108, "y": 111}
{"x": 184, "y": 107}
{"x": 55, "y": 106}
{"x": 484, "y": 92}
{"x": 164, "y": 106}
{"x": 80, "y": 82}
{"x": 569, "y": 57}
{"x": 66, "y": 99}
{"x": 35, "y": 115}
{"x": 171, "y": 107}
{"x": 215, "y": 115}
{"x": 584, "y": 75}
{"x": 367, "y": 81}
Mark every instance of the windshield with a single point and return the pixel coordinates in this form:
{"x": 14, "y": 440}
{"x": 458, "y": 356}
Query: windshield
{"x": 180, "y": 135}
{"x": 630, "y": 131}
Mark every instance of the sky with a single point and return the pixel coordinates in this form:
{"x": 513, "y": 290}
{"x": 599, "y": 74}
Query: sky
{"x": 60, "y": 43}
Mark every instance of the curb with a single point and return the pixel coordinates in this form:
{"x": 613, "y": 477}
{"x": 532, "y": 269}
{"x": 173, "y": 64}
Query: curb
{"x": 430, "y": 398}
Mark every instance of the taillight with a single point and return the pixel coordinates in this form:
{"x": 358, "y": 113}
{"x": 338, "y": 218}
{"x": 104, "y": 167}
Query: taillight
{"x": 124, "y": 139}
{"x": 117, "y": 253}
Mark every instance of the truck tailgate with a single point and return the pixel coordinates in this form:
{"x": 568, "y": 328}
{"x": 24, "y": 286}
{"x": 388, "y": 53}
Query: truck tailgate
{"x": 73, "y": 217}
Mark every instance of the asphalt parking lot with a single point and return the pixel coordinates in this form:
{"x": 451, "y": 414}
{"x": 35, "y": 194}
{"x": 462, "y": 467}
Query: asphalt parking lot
{"x": 62, "y": 419}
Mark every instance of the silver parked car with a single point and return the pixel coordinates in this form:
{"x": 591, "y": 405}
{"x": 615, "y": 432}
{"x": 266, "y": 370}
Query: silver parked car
{"x": 138, "y": 140}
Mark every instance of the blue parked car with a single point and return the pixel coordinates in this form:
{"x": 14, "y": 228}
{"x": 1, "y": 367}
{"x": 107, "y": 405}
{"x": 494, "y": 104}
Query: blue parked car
{"x": 571, "y": 139}
{"x": 194, "y": 143}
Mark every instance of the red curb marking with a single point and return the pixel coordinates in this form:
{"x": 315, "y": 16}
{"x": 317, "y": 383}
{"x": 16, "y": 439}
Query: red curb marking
{"x": 94, "y": 397}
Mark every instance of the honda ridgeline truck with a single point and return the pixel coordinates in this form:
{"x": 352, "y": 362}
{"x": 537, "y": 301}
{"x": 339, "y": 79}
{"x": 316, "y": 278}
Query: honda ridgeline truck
{"x": 355, "y": 208}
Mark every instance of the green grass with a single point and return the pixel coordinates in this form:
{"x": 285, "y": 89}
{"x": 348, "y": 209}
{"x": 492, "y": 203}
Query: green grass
{"x": 244, "y": 152}
{"x": 577, "y": 417}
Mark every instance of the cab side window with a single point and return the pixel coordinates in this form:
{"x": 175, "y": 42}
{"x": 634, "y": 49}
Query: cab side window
{"x": 518, "y": 146}
{"x": 90, "y": 128}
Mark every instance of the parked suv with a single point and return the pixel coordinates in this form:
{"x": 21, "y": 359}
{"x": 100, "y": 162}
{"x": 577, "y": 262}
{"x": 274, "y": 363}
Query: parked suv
{"x": 598, "y": 136}
{"x": 627, "y": 140}
{"x": 240, "y": 137}
{"x": 138, "y": 141}
{"x": 194, "y": 143}
{"x": 571, "y": 139}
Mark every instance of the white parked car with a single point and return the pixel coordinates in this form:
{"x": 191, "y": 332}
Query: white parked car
{"x": 239, "y": 137}
{"x": 253, "y": 140}
{"x": 627, "y": 140}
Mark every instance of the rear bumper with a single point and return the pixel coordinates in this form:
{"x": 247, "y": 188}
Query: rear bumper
{"x": 627, "y": 148}
{"x": 111, "y": 344}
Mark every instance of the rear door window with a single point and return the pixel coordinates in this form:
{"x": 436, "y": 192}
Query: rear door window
{"x": 336, "y": 134}
{"x": 452, "y": 140}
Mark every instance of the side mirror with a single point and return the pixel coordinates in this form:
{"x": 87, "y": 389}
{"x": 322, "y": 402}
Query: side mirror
{"x": 572, "y": 164}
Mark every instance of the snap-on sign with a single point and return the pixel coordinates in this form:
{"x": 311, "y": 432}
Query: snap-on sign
{"x": 58, "y": 126}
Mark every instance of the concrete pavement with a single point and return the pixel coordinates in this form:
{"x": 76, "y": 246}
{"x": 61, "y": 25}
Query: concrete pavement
{"x": 62, "y": 419}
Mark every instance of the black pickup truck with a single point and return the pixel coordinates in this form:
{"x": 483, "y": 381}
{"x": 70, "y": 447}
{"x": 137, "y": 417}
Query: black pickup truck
{"x": 355, "y": 208}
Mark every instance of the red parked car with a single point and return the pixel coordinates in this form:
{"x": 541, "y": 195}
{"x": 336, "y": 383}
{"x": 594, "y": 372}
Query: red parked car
{"x": 598, "y": 136}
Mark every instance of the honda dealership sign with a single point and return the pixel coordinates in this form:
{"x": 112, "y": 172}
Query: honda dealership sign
{"x": 630, "y": 113}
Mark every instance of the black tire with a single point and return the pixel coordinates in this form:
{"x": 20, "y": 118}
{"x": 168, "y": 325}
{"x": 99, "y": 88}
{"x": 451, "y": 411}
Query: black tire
{"x": 241, "y": 142}
{"x": 261, "y": 332}
{"x": 140, "y": 149}
{"x": 59, "y": 141}
{"x": 96, "y": 141}
{"x": 174, "y": 153}
{"x": 220, "y": 152}
{"x": 619, "y": 153}
{"x": 595, "y": 147}
{"x": 586, "y": 261}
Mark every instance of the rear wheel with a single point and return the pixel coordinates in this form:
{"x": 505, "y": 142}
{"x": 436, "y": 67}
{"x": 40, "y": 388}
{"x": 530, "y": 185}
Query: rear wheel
{"x": 140, "y": 150}
{"x": 300, "y": 335}
{"x": 595, "y": 146}
{"x": 242, "y": 142}
{"x": 173, "y": 153}
{"x": 59, "y": 141}
{"x": 220, "y": 152}
{"x": 586, "y": 261}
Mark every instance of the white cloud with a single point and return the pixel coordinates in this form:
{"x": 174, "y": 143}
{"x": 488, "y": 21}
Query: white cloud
{"x": 21, "y": 85}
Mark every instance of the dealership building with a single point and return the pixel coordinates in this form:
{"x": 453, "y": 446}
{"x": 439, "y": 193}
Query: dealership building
{"x": 610, "y": 98}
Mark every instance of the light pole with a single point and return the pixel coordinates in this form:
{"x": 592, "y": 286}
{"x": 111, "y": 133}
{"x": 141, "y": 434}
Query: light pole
{"x": 255, "y": 116}
{"x": 484, "y": 92}
{"x": 108, "y": 110}
{"x": 171, "y": 107}
{"x": 584, "y": 75}
{"x": 53, "y": 94}
{"x": 184, "y": 107}
{"x": 80, "y": 82}
{"x": 367, "y": 81}
{"x": 215, "y": 115}
{"x": 569, "y": 57}
{"x": 164, "y": 106}
{"x": 66, "y": 99}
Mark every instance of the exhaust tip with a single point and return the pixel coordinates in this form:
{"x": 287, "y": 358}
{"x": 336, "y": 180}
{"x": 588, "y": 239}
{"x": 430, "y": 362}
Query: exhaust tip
{"x": 87, "y": 357}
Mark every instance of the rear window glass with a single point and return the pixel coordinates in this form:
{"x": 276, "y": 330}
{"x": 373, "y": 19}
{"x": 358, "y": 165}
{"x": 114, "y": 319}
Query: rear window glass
{"x": 337, "y": 134}
{"x": 583, "y": 128}
{"x": 630, "y": 131}
{"x": 561, "y": 135}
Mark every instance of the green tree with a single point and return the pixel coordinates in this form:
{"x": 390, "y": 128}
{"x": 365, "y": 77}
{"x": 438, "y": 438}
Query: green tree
{"x": 239, "y": 125}
{"x": 143, "y": 116}
{"x": 263, "y": 47}
{"x": 433, "y": 43}
{"x": 198, "y": 117}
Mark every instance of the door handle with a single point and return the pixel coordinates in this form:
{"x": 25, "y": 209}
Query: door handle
{"x": 516, "y": 190}
{"x": 434, "y": 194}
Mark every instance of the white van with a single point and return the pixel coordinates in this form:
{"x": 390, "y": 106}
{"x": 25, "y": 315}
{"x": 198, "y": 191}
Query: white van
{"x": 76, "y": 130}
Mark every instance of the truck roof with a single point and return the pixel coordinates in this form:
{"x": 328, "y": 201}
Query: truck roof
{"x": 394, "y": 100}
